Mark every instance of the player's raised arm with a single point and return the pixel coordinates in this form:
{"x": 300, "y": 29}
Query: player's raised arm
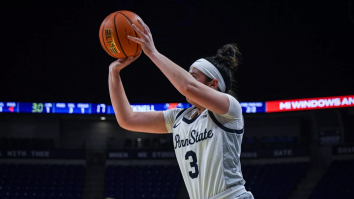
{"x": 206, "y": 95}
{"x": 149, "y": 122}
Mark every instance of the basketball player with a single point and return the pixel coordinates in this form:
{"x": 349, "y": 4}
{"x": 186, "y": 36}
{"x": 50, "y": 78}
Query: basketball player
{"x": 207, "y": 136}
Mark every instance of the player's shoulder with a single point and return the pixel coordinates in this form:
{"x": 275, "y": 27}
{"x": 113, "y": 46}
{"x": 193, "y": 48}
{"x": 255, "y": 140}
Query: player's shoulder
{"x": 235, "y": 108}
{"x": 233, "y": 100}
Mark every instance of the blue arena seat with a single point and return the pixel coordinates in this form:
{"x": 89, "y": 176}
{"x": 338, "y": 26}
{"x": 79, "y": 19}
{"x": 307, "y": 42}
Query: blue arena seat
{"x": 41, "y": 181}
{"x": 142, "y": 181}
{"x": 337, "y": 182}
{"x": 267, "y": 181}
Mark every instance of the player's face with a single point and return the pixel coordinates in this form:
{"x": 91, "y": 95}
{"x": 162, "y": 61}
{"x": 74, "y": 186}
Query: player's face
{"x": 200, "y": 77}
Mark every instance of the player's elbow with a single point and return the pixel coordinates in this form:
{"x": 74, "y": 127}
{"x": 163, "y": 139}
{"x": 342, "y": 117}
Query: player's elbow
{"x": 127, "y": 126}
{"x": 125, "y": 123}
{"x": 188, "y": 89}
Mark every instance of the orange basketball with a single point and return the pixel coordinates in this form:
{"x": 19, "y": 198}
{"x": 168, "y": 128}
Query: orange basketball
{"x": 114, "y": 31}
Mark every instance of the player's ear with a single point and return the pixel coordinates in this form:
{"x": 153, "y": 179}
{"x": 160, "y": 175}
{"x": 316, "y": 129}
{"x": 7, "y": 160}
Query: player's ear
{"x": 214, "y": 84}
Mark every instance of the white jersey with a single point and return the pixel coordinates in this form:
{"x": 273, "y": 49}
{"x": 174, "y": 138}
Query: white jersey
{"x": 208, "y": 150}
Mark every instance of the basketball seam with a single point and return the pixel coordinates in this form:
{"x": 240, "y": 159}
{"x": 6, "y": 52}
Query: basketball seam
{"x": 137, "y": 45}
{"x": 104, "y": 43}
{"x": 115, "y": 26}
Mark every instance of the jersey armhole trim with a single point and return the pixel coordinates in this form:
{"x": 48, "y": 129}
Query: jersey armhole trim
{"x": 180, "y": 113}
{"x": 212, "y": 116}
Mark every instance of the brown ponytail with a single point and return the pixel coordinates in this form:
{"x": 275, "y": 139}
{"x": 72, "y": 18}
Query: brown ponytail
{"x": 227, "y": 60}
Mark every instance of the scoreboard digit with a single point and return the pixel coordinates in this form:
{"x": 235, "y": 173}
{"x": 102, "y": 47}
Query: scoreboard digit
{"x": 37, "y": 107}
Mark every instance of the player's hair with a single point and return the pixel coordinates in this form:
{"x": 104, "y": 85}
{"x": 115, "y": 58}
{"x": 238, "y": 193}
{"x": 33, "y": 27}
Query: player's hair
{"x": 227, "y": 60}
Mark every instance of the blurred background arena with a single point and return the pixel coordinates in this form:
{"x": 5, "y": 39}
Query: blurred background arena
{"x": 59, "y": 137}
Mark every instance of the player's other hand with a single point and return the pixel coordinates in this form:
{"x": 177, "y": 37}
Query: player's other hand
{"x": 146, "y": 41}
{"x": 119, "y": 64}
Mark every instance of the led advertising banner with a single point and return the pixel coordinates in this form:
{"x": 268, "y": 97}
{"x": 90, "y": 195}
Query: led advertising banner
{"x": 247, "y": 107}
{"x": 152, "y": 107}
{"x": 80, "y": 108}
{"x": 343, "y": 149}
{"x": 91, "y": 108}
{"x": 9, "y": 107}
{"x": 44, "y": 154}
{"x": 253, "y": 107}
{"x": 310, "y": 104}
{"x": 69, "y": 108}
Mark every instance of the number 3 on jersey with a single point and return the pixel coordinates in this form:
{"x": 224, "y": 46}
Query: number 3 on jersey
{"x": 193, "y": 164}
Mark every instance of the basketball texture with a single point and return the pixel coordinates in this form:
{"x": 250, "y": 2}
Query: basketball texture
{"x": 114, "y": 31}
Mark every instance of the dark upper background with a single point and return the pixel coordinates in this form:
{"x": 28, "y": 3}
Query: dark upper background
{"x": 291, "y": 49}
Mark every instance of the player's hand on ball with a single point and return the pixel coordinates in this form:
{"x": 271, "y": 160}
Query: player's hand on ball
{"x": 119, "y": 64}
{"x": 146, "y": 41}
